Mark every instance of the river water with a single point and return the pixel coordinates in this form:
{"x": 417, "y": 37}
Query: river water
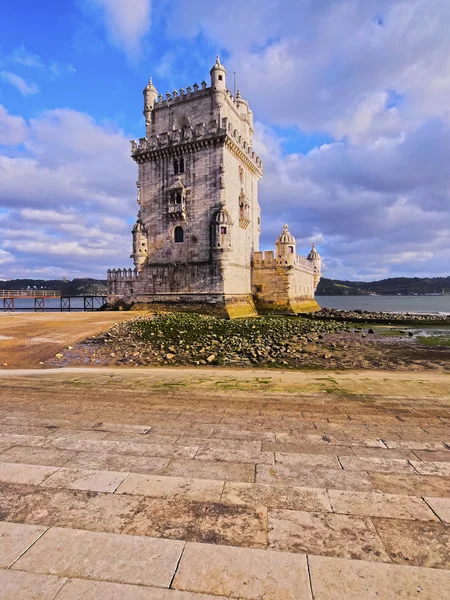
{"x": 394, "y": 304}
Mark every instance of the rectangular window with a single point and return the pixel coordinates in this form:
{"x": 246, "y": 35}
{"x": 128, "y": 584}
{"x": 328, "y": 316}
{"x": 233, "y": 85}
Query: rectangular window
{"x": 223, "y": 230}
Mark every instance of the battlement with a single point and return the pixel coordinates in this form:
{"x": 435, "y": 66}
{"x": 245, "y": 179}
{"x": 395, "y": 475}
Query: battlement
{"x": 264, "y": 259}
{"x": 122, "y": 275}
{"x": 193, "y": 133}
{"x": 181, "y": 95}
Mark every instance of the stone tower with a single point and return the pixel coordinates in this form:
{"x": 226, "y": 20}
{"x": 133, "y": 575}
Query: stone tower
{"x": 199, "y": 217}
{"x": 196, "y": 239}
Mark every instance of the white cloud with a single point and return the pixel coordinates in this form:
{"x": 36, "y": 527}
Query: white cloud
{"x": 126, "y": 22}
{"x": 26, "y": 89}
{"x": 13, "y": 129}
{"x": 67, "y": 198}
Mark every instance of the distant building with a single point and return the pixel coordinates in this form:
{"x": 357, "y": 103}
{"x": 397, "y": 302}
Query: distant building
{"x": 196, "y": 238}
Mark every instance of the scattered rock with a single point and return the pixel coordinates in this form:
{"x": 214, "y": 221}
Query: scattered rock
{"x": 59, "y": 355}
{"x": 211, "y": 358}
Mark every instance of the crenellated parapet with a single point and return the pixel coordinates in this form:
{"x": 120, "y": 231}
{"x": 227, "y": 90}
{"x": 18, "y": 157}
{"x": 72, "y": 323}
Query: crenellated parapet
{"x": 122, "y": 274}
{"x": 191, "y": 138}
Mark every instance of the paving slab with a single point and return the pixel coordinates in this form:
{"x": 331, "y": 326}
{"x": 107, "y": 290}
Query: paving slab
{"x": 84, "y": 479}
{"x": 19, "y": 585}
{"x": 418, "y": 543}
{"x": 37, "y": 456}
{"x": 343, "y": 579}
{"x": 102, "y": 556}
{"x": 77, "y": 589}
{"x": 19, "y": 473}
{"x": 15, "y": 539}
{"x": 307, "y": 460}
{"x": 313, "y": 477}
{"x": 385, "y": 453}
{"x": 382, "y": 465}
{"x": 433, "y": 456}
{"x": 275, "y": 496}
{"x": 243, "y": 573}
{"x": 370, "y": 504}
{"x": 411, "y": 485}
{"x": 235, "y": 455}
{"x": 171, "y": 487}
{"x": 67, "y": 508}
{"x": 441, "y": 507}
{"x": 81, "y": 444}
{"x": 162, "y": 450}
{"x": 300, "y": 448}
{"x": 208, "y": 522}
{"x": 415, "y": 444}
{"x": 325, "y": 534}
{"x": 440, "y": 469}
{"x": 119, "y": 462}
{"x": 202, "y": 469}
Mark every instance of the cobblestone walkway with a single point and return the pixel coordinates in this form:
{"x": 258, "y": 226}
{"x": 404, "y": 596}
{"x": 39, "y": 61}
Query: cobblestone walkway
{"x": 143, "y": 486}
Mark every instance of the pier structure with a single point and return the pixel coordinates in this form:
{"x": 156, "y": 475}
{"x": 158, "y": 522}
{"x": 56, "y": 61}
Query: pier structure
{"x": 90, "y": 301}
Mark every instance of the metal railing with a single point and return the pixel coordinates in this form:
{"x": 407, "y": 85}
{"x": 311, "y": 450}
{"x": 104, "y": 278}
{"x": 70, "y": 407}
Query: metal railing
{"x": 30, "y": 293}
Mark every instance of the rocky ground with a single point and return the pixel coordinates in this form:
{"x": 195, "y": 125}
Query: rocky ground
{"x": 378, "y": 317}
{"x": 274, "y": 342}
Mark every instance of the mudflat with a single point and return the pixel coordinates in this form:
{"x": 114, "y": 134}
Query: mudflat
{"x": 26, "y": 339}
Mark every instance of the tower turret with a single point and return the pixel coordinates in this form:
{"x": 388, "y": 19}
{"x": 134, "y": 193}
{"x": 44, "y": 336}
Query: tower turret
{"x": 314, "y": 257}
{"x": 150, "y": 96}
{"x": 222, "y": 230}
{"x": 286, "y": 244}
{"x": 140, "y": 244}
{"x": 218, "y": 83}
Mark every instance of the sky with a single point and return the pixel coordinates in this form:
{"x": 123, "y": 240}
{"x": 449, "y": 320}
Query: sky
{"x": 352, "y": 120}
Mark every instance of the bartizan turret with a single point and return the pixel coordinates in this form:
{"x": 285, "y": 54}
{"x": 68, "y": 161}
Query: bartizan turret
{"x": 316, "y": 261}
{"x": 140, "y": 244}
{"x": 285, "y": 248}
{"x": 218, "y": 83}
{"x": 150, "y": 96}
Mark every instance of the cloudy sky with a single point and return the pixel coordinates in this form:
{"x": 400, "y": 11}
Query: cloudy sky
{"x": 351, "y": 99}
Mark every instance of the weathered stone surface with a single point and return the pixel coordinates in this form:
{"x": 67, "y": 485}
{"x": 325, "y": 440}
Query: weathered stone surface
{"x": 37, "y": 456}
{"x": 307, "y": 460}
{"x": 433, "y": 456}
{"x": 172, "y": 487}
{"x": 419, "y": 543}
{"x": 377, "y": 464}
{"x": 15, "y": 540}
{"x": 236, "y": 456}
{"x": 208, "y": 522}
{"x": 313, "y": 477}
{"x": 84, "y": 479}
{"x": 211, "y": 470}
{"x": 67, "y": 508}
{"x": 370, "y": 504}
{"x": 441, "y": 507}
{"x": 106, "y": 557}
{"x": 441, "y": 469}
{"x": 17, "y": 585}
{"x": 77, "y": 589}
{"x": 360, "y": 580}
{"x": 19, "y": 473}
{"x": 411, "y": 485}
{"x": 299, "y": 448}
{"x": 275, "y": 496}
{"x": 243, "y": 573}
{"x": 325, "y": 534}
{"x": 119, "y": 462}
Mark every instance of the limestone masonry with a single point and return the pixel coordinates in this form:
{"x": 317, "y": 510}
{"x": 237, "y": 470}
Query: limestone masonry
{"x": 196, "y": 238}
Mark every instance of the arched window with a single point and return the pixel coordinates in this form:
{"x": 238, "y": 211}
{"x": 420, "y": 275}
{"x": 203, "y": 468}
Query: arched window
{"x": 181, "y": 165}
{"x": 178, "y": 235}
{"x": 175, "y": 167}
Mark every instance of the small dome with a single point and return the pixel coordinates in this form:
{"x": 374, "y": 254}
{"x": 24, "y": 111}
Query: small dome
{"x": 139, "y": 226}
{"x": 313, "y": 255}
{"x": 223, "y": 217}
{"x": 218, "y": 66}
{"x": 286, "y": 237}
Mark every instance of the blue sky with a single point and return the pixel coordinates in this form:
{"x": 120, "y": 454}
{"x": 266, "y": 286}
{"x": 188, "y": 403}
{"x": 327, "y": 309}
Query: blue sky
{"x": 352, "y": 110}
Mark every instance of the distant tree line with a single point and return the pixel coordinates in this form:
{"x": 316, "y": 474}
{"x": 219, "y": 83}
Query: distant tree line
{"x": 396, "y": 285}
{"x": 77, "y": 287}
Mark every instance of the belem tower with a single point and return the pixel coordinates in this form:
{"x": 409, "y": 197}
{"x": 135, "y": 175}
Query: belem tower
{"x": 196, "y": 238}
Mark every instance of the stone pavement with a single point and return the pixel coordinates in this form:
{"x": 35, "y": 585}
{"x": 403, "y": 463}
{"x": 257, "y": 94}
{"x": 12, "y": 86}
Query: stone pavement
{"x": 144, "y": 485}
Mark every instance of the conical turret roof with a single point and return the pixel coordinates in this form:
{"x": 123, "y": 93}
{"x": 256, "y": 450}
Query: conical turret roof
{"x": 313, "y": 255}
